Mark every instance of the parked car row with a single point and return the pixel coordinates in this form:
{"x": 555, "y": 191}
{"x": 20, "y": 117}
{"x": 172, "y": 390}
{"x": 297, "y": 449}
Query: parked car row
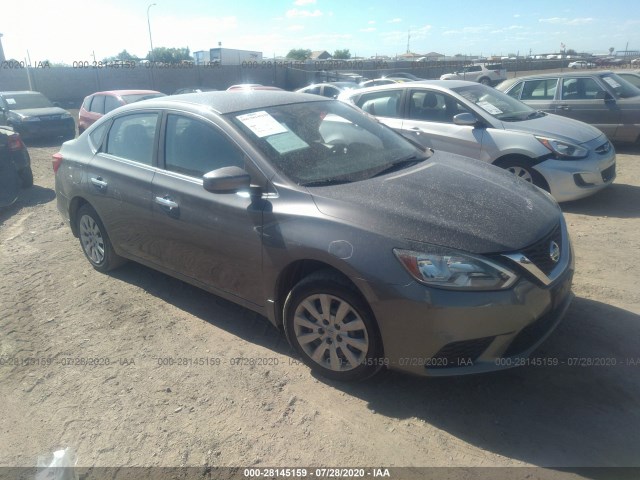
{"x": 603, "y": 99}
{"x": 569, "y": 159}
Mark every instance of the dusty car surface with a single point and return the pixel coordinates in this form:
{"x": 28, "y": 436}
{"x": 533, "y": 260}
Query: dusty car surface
{"x": 367, "y": 251}
{"x": 569, "y": 159}
{"x": 602, "y": 99}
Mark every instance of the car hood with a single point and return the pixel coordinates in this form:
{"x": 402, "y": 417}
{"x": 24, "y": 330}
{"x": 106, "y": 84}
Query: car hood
{"x": 555, "y": 126}
{"x": 447, "y": 200}
{"x": 41, "y": 112}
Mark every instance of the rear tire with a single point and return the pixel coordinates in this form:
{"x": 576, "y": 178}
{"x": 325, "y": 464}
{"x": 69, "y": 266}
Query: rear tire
{"x": 332, "y": 328}
{"x": 95, "y": 242}
{"x": 26, "y": 177}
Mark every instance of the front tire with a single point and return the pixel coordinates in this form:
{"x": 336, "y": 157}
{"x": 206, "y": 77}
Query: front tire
{"x": 485, "y": 81}
{"x": 95, "y": 242}
{"x": 522, "y": 169}
{"x": 332, "y": 328}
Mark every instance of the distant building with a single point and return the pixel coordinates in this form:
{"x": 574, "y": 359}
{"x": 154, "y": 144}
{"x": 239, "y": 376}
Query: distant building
{"x": 201, "y": 57}
{"x": 320, "y": 55}
{"x": 232, "y": 56}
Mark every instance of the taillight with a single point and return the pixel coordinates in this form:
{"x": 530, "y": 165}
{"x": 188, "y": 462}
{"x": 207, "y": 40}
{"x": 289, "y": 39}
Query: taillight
{"x": 15, "y": 142}
{"x": 57, "y": 160}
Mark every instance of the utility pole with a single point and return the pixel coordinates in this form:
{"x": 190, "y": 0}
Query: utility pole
{"x": 408, "y": 40}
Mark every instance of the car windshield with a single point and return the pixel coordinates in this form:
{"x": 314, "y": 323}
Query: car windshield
{"x": 496, "y": 103}
{"x": 323, "y": 143}
{"x": 140, "y": 96}
{"x": 620, "y": 87}
{"x": 22, "y": 101}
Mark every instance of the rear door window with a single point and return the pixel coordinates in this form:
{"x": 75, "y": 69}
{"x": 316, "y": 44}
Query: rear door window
{"x": 111, "y": 103}
{"x": 384, "y": 103}
{"x": 132, "y": 137}
{"x": 97, "y": 104}
{"x": 539, "y": 89}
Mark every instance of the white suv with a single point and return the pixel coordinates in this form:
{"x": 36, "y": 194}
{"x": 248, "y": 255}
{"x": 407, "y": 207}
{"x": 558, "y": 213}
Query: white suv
{"x": 487, "y": 74}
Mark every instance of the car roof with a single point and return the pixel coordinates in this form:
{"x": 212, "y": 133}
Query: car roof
{"x": 437, "y": 84}
{"x": 573, "y": 73}
{"x": 21, "y": 92}
{"x": 229, "y": 102}
{"x": 125, "y": 92}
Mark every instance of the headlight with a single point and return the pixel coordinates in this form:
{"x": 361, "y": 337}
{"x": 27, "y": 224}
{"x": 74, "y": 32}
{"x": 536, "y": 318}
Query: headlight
{"x": 446, "y": 268}
{"x": 563, "y": 150}
{"x": 30, "y": 119}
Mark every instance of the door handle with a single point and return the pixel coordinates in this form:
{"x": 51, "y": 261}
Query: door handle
{"x": 416, "y": 129}
{"x": 98, "y": 182}
{"x": 564, "y": 106}
{"x": 166, "y": 202}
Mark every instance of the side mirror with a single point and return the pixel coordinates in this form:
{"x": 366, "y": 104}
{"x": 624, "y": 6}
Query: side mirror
{"x": 226, "y": 180}
{"x": 609, "y": 99}
{"x": 465, "y": 119}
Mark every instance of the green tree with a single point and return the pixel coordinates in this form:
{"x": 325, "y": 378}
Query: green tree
{"x": 299, "y": 54}
{"x": 170, "y": 55}
{"x": 122, "y": 56}
{"x": 611, "y": 49}
{"x": 344, "y": 54}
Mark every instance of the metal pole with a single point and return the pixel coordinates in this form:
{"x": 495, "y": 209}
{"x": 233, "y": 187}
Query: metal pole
{"x": 150, "y": 40}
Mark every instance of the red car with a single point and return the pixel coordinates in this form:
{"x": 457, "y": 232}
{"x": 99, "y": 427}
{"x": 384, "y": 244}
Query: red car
{"x": 97, "y": 104}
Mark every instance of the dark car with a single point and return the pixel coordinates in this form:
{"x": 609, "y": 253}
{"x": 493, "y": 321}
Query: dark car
{"x": 97, "y": 104}
{"x": 365, "y": 249}
{"x": 33, "y": 116}
{"x": 602, "y": 99}
{"x": 15, "y": 166}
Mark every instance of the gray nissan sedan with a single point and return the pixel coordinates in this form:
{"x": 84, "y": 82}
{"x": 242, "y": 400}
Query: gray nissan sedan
{"x": 367, "y": 250}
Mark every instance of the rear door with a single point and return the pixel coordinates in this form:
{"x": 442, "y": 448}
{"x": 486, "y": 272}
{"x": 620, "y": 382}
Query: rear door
{"x": 583, "y": 98}
{"x": 119, "y": 181}
{"x": 212, "y": 238}
{"x": 429, "y": 121}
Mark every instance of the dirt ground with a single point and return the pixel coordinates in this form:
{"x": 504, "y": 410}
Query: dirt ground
{"x": 95, "y": 362}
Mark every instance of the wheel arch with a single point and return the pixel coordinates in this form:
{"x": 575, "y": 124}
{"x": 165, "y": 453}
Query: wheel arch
{"x": 74, "y": 206}
{"x": 509, "y": 158}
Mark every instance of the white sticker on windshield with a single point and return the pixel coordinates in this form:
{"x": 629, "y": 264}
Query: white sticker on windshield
{"x": 611, "y": 81}
{"x": 11, "y": 101}
{"x": 287, "y": 142}
{"x": 261, "y": 123}
{"x": 492, "y": 109}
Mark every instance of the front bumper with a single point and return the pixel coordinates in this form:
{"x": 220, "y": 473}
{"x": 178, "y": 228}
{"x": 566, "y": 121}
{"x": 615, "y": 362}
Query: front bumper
{"x": 575, "y": 179}
{"x": 435, "y": 332}
{"x": 45, "y": 128}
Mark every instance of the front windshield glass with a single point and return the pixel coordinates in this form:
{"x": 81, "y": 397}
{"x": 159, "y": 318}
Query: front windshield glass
{"x": 22, "y": 101}
{"x": 620, "y": 87}
{"x": 323, "y": 143}
{"x": 497, "y": 104}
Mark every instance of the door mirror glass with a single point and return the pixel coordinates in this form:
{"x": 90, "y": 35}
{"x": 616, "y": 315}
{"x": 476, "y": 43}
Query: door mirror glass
{"x": 465, "y": 119}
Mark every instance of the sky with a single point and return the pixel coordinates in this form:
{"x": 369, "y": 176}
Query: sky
{"x": 67, "y": 31}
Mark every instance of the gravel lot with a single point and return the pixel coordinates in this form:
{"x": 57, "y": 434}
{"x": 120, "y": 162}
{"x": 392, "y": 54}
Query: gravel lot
{"x": 139, "y": 407}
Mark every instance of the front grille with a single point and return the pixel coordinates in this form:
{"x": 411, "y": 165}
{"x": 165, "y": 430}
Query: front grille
{"x": 609, "y": 173}
{"x": 538, "y": 253}
{"x": 531, "y": 334}
{"x": 458, "y": 354}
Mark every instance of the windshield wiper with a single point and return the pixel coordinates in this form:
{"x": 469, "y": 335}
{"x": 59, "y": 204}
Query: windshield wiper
{"x": 400, "y": 164}
{"x": 325, "y": 182}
